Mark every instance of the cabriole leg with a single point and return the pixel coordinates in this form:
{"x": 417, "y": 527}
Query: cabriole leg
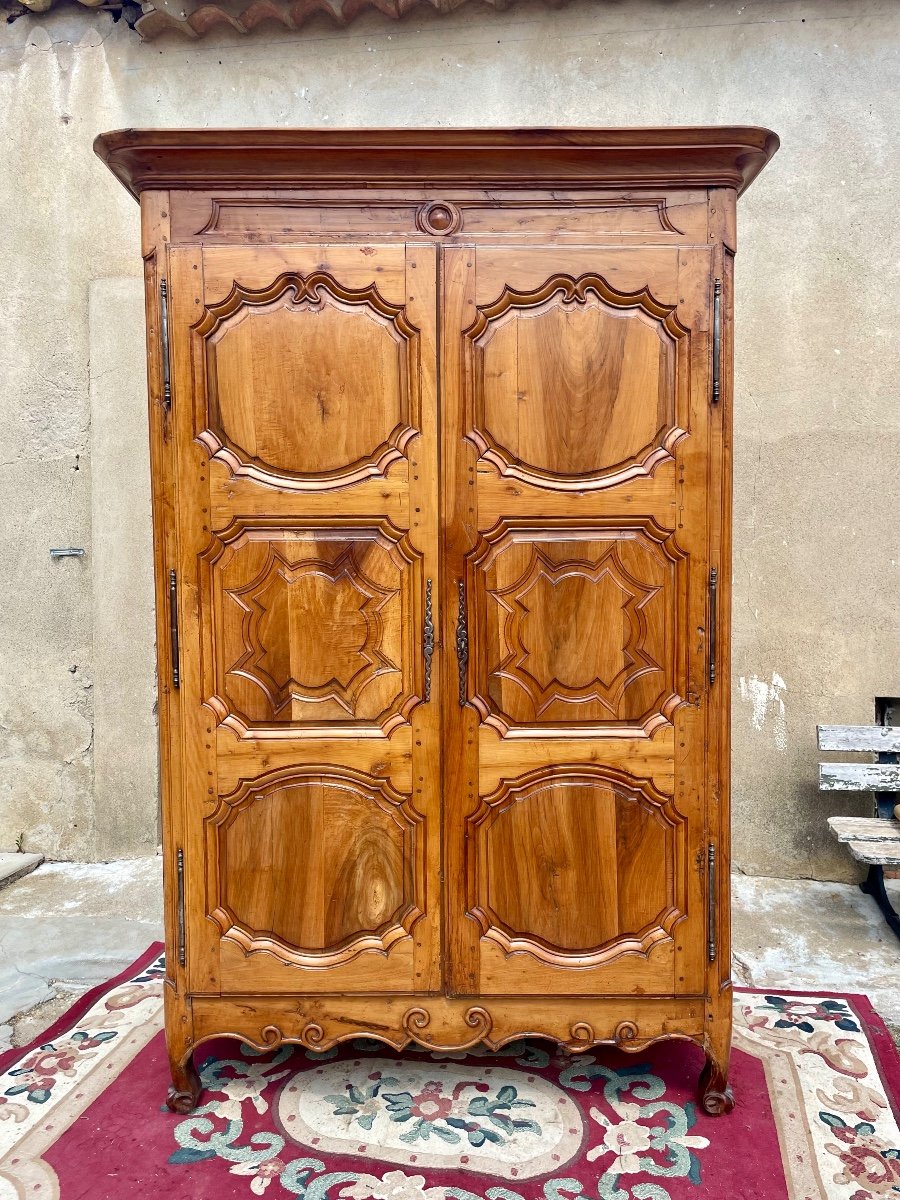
{"x": 715, "y": 1095}
{"x": 185, "y": 1090}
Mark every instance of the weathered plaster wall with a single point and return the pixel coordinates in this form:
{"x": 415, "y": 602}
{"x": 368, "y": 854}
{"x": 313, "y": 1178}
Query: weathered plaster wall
{"x": 817, "y": 625}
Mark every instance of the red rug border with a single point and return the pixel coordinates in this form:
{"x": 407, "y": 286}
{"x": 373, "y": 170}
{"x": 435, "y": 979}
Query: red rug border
{"x": 73, "y": 1015}
{"x": 884, "y": 1050}
{"x": 885, "y": 1053}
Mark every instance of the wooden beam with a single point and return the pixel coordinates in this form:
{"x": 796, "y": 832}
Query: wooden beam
{"x": 859, "y": 777}
{"x": 884, "y": 739}
{"x": 876, "y": 854}
{"x": 864, "y": 829}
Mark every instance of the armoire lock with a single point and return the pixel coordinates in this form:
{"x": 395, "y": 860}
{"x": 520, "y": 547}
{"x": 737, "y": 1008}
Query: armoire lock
{"x": 441, "y": 459}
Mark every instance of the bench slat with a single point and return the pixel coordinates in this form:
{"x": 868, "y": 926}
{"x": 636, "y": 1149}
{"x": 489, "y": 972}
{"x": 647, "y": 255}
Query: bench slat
{"x": 884, "y": 739}
{"x": 864, "y": 829}
{"x": 884, "y": 854}
{"x": 859, "y": 777}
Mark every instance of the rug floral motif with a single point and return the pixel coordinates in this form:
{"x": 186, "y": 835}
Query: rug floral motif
{"x": 465, "y": 1118}
{"x": 81, "y": 1114}
{"x": 822, "y": 1065}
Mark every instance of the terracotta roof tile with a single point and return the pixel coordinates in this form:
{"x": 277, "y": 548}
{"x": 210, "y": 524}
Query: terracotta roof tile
{"x": 244, "y": 17}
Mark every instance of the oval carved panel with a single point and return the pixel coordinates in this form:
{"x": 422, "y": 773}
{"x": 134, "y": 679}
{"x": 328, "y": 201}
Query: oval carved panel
{"x": 309, "y": 384}
{"x": 574, "y": 385}
{"x": 577, "y": 865}
{"x": 578, "y": 628}
{"x": 315, "y": 865}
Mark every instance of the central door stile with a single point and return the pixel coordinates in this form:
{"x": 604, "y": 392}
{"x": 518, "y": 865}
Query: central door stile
{"x": 423, "y": 288}
{"x": 458, "y": 531}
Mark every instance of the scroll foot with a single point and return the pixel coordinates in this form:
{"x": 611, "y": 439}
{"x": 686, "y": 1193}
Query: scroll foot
{"x": 716, "y": 1096}
{"x": 185, "y": 1090}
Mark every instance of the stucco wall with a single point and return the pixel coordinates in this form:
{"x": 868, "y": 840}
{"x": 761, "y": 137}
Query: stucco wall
{"x": 816, "y": 619}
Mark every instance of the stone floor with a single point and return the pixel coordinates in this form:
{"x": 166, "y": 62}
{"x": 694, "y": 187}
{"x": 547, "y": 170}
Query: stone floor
{"x": 69, "y": 926}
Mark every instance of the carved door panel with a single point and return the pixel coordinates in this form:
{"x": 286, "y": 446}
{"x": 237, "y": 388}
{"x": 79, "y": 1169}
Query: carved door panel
{"x": 575, "y": 499}
{"x": 304, "y": 418}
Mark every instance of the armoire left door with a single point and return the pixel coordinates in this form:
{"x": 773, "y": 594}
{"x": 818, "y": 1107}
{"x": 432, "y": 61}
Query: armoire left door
{"x": 305, "y": 493}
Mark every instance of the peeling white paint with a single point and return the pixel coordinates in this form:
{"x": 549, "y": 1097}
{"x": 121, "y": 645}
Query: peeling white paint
{"x": 767, "y": 704}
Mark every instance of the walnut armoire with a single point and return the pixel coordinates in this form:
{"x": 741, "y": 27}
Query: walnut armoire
{"x": 441, "y": 459}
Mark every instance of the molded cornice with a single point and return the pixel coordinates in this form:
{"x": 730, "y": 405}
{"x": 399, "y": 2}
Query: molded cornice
{"x": 716, "y": 156}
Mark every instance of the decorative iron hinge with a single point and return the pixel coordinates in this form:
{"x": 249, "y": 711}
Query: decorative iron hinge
{"x": 462, "y": 643}
{"x": 717, "y": 342}
{"x": 428, "y": 640}
{"x": 179, "y": 867}
{"x": 173, "y": 627}
{"x": 711, "y": 906}
{"x": 713, "y": 620}
{"x": 164, "y": 338}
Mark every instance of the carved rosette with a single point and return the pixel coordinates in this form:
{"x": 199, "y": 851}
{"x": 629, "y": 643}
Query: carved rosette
{"x": 439, "y": 218}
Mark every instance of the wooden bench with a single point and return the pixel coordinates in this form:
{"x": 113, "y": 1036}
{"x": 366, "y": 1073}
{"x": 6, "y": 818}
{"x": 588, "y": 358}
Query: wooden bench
{"x": 874, "y": 840}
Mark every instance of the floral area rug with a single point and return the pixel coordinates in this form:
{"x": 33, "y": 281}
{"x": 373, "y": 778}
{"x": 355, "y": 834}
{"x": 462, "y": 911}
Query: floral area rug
{"x": 816, "y": 1079}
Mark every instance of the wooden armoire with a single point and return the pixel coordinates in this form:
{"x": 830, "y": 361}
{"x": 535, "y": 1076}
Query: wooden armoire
{"x": 441, "y": 458}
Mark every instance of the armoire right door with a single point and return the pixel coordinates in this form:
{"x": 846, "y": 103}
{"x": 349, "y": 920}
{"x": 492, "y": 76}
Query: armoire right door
{"x": 576, "y": 476}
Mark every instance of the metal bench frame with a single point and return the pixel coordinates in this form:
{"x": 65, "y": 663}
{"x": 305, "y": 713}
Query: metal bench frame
{"x": 873, "y": 885}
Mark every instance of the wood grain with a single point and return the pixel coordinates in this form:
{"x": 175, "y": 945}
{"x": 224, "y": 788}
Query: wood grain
{"x": 883, "y": 739}
{"x": 578, "y": 623}
{"x": 859, "y": 777}
{"x": 864, "y": 829}
{"x": 728, "y": 156}
{"x": 300, "y": 630}
{"x": 474, "y": 365}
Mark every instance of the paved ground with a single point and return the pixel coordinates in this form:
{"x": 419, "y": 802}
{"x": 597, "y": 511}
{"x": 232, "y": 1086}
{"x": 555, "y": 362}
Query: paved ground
{"x": 14, "y": 866}
{"x": 68, "y": 926}
{"x": 799, "y": 933}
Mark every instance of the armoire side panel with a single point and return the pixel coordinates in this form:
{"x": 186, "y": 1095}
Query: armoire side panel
{"x": 155, "y": 232}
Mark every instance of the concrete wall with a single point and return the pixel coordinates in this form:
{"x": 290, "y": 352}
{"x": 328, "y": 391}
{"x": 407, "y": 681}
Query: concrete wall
{"x": 817, "y": 624}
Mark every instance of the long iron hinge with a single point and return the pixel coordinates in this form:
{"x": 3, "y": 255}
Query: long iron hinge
{"x": 713, "y": 620}
{"x": 164, "y": 337}
{"x": 462, "y": 643}
{"x": 711, "y": 906}
{"x": 173, "y": 627}
{"x": 717, "y": 342}
{"x": 428, "y": 640}
{"x": 179, "y": 859}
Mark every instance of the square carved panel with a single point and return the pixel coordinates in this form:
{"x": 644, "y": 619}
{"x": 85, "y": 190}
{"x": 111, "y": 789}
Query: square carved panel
{"x": 308, "y": 626}
{"x": 577, "y": 627}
